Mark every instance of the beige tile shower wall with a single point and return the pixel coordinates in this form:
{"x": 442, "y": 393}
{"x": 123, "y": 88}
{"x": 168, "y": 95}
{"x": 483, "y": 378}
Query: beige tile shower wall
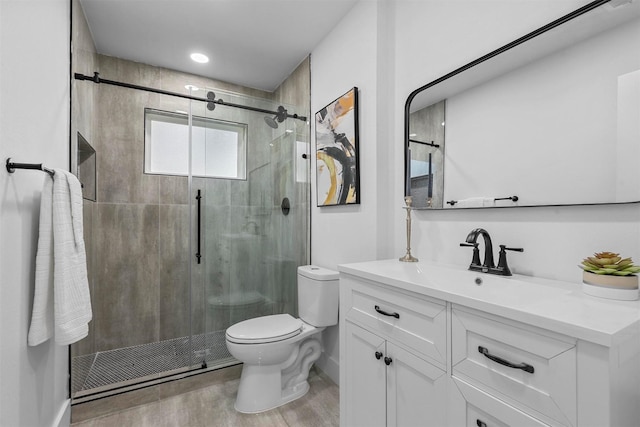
{"x": 295, "y": 91}
{"x": 83, "y": 60}
{"x": 141, "y": 222}
{"x": 137, "y": 232}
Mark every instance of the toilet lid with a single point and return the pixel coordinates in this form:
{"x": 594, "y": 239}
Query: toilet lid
{"x": 264, "y": 329}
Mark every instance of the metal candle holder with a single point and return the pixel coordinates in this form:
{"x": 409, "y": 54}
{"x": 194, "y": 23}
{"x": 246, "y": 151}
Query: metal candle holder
{"x": 408, "y": 257}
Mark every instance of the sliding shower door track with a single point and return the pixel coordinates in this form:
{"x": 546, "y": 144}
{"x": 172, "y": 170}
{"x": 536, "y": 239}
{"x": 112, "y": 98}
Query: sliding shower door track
{"x": 110, "y": 372}
{"x": 91, "y": 395}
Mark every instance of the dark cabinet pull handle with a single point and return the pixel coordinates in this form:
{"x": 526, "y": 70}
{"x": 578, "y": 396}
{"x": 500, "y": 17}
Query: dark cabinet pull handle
{"x": 481, "y": 423}
{"x": 525, "y": 367}
{"x": 378, "y": 355}
{"x": 388, "y": 360}
{"x": 199, "y": 198}
{"x": 386, "y": 313}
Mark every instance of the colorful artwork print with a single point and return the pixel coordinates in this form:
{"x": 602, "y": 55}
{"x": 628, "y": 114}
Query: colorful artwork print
{"x": 337, "y": 178}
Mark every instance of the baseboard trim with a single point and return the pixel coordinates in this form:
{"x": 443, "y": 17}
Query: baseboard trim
{"x": 330, "y": 367}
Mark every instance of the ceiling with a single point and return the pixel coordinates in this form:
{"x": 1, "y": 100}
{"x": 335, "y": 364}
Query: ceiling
{"x": 254, "y": 43}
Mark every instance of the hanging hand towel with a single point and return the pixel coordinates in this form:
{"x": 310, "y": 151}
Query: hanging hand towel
{"x": 41, "y": 328}
{"x": 474, "y": 202}
{"x": 70, "y": 291}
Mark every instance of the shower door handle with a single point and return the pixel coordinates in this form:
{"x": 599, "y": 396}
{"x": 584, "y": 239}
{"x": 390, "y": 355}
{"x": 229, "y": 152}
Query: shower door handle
{"x": 199, "y": 199}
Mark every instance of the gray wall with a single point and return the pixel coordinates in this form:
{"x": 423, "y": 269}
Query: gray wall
{"x": 84, "y": 60}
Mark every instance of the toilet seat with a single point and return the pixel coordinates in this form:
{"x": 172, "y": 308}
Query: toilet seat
{"x": 264, "y": 329}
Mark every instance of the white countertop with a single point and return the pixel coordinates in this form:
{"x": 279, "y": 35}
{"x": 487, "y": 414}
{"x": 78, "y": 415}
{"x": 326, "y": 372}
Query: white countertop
{"x": 550, "y": 304}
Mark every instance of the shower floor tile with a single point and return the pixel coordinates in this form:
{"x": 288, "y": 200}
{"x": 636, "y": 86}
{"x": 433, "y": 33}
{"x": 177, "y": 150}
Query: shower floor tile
{"x": 115, "y": 368}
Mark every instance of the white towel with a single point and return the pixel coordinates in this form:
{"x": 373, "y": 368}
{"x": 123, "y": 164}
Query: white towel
{"x": 41, "y": 328}
{"x": 62, "y": 306}
{"x": 474, "y": 202}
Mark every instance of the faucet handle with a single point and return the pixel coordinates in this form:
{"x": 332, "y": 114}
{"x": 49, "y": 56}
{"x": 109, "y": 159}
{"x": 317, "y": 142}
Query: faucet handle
{"x": 475, "y": 261}
{"x": 504, "y": 248}
{"x": 503, "y": 267}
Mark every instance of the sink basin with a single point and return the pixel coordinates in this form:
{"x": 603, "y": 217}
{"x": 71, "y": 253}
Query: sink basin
{"x": 450, "y": 281}
{"x": 511, "y": 290}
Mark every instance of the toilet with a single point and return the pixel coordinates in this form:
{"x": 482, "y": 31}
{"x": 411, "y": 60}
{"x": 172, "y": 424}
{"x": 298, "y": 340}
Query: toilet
{"x": 278, "y": 350}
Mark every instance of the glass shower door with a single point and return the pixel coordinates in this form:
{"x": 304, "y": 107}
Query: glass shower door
{"x": 253, "y": 220}
{"x": 137, "y": 240}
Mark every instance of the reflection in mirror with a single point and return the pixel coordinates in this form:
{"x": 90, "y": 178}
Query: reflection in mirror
{"x": 426, "y": 145}
{"x": 551, "y": 118}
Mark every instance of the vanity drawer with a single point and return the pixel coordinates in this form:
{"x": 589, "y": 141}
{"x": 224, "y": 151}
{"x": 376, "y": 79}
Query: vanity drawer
{"x": 474, "y": 408}
{"x": 531, "y": 369}
{"x": 413, "y": 320}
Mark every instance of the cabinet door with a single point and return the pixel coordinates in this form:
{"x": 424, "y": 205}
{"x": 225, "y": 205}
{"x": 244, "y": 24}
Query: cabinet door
{"x": 416, "y": 390}
{"x": 365, "y": 386}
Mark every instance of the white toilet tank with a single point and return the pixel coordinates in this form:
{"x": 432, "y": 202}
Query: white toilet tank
{"x": 318, "y": 295}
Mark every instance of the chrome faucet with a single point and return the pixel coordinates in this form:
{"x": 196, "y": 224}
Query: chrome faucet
{"x": 487, "y": 265}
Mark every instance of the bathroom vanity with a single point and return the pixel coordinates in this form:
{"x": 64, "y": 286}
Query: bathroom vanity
{"x": 431, "y": 345}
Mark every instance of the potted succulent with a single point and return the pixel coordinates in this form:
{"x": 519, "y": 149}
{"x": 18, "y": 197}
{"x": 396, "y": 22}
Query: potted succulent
{"x": 608, "y": 275}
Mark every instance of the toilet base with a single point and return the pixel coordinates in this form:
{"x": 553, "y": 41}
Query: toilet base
{"x": 287, "y": 396}
{"x": 265, "y": 387}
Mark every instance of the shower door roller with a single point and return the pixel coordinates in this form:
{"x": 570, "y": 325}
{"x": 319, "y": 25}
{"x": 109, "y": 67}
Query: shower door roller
{"x": 285, "y": 206}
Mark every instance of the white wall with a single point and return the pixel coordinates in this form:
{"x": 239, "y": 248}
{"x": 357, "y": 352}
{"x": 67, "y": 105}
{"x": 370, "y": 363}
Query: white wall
{"x": 34, "y": 127}
{"x": 554, "y": 239}
{"x": 350, "y": 56}
{"x": 347, "y": 233}
{"x": 428, "y": 39}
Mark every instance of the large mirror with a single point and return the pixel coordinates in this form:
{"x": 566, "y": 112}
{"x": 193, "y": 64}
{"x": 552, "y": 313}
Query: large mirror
{"x": 552, "y": 118}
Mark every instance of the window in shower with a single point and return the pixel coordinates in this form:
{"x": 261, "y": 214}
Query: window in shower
{"x": 219, "y": 147}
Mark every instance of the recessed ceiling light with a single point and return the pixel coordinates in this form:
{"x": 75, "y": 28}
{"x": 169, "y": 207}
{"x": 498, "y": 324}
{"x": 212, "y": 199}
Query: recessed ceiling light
{"x": 200, "y": 58}
{"x": 191, "y": 87}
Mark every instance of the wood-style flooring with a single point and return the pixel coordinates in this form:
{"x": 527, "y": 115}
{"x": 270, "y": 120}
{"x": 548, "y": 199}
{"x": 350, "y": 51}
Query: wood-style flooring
{"x": 212, "y": 405}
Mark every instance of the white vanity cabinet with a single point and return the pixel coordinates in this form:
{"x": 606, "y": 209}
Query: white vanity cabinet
{"x": 511, "y": 352}
{"x": 393, "y": 366}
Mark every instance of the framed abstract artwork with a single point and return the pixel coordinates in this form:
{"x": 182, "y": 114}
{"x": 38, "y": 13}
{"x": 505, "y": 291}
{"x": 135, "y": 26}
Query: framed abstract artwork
{"x": 337, "y": 175}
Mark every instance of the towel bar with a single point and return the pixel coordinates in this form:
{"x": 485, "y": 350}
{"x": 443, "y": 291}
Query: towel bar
{"x": 512, "y": 198}
{"x": 11, "y": 167}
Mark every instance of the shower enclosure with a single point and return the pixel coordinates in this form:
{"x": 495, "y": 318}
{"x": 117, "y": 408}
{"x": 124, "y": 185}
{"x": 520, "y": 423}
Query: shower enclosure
{"x": 199, "y": 219}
